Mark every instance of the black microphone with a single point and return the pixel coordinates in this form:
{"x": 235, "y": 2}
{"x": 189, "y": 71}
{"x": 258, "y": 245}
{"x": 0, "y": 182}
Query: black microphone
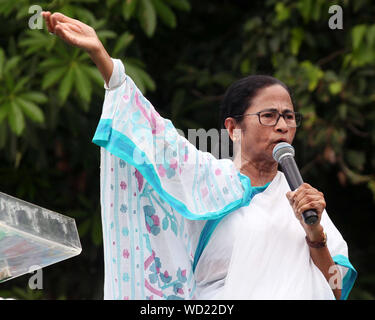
{"x": 283, "y": 153}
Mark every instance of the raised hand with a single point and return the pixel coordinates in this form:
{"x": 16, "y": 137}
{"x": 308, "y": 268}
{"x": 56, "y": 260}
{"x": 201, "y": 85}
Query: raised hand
{"x": 72, "y": 31}
{"x": 78, "y": 34}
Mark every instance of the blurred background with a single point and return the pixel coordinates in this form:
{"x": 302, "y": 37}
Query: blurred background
{"x": 183, "y": 54}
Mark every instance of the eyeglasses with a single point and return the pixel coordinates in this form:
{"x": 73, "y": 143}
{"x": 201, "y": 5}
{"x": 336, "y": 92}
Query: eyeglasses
{"x": 271, "y": 117}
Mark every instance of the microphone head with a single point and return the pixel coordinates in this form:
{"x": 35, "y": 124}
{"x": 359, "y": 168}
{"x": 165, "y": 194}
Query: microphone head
{"x": 281, "y": 150}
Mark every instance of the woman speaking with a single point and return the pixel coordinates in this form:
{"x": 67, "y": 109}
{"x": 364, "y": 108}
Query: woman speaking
{"x": 180, "y": 224}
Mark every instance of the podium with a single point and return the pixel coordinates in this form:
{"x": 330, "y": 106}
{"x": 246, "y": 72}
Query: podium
{"x": 32, "y": 237}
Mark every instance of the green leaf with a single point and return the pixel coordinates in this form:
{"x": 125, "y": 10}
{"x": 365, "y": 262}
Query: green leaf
{"x": 37, "y": 41}
{"x": 4, "y": 110}
{"x": 111, "y": 3}
{"x": 364, "y": 55}
{"x": 128, "y": 8}
{"x": 20, "y": 84}
{"x": 106, "y": 34}
{"x": 83, "y": 84}
{"x": 335, "y": 87}
{"x": 371, "y": 36}
{"x": 149, "y": 83}
{"x": 122, "y": 43}
{"x": 165, "y": 13}
{"x": 34, "y": 96}
{"x": 343, "y": 111}
{"x": 84, "y": 15}
{"x": 12, "y": 63}
{"x": 94, "y": 74}
{"x": 314, "y": 74}
{"x": 223, "y": 78}
{"x": 16, "y": 119}
{"x": 252, "y": 24}
{"x": 53, "y": 76}
{"x": 133, "y": 73}
{"x": 296, "y": 40}
{"x": 305, "y": 8}
{"x": 31, "y": 110}
{"x": 182, "y": 5}
{"x": 371, "y": 186}
{"x": 245, "y": 66}
{"x": 282, "y": 12}
{"x": 23, "y": 13}
{"x": 66, "y": 85}
{"x": 358, "y": 33}
{"x": 142, "y": 79}
{"x": 317, "y": 9}
{"x": 147, "y": 17}
{"x": 2, "y": 62}
{"x": 51, "y": 62}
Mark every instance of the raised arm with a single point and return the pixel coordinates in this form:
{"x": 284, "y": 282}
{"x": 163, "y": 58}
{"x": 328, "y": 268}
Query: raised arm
{"x": 195, "y": 183}
{"x": 78, "y": 34}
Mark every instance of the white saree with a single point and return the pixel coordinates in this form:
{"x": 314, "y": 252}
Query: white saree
{"x": 172, "y": 215}
{"x": 270, "y": 258}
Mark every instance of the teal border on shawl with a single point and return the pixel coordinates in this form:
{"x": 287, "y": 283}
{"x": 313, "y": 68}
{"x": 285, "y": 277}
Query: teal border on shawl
{"x": 121, "y": 146}
{"x": 211, "y": 225}
{"x": 350, "y": 277}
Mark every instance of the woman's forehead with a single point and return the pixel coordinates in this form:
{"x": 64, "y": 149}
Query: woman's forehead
{"x": 273, "y": 97}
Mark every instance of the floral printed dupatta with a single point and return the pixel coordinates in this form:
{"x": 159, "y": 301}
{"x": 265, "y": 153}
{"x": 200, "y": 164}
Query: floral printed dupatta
{"x": 157, "y": 190}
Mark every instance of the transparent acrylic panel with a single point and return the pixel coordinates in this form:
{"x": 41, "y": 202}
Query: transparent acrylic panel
{"x": 32, "y": 237}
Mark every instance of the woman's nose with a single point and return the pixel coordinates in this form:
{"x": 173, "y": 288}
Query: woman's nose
{"x": 281, "y": 125}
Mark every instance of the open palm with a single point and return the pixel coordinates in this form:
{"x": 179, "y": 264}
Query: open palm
{"x": 73, "y": 32}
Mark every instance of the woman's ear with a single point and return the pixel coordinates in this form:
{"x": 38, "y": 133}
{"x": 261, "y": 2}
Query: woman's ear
{"x": 230, "y": 124}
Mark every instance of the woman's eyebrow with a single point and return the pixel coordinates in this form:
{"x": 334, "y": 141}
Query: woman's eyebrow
{"x": 274, "y": 109}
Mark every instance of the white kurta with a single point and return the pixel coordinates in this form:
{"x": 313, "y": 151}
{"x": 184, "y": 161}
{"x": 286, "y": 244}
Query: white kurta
{"x": 264, "y": 253}
{"x": 161, "y": 199}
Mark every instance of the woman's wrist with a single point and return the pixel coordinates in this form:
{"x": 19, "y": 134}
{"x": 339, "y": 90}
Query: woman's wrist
{"x": 103, "y": 61}
{"x": 96, "y": 51}
{"x": 315, "y": 233}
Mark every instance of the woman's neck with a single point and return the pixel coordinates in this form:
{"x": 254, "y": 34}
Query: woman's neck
{"x": 259, "y": 172}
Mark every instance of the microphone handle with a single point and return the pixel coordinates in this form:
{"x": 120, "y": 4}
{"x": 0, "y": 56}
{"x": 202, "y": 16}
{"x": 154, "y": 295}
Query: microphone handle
{"x": 294, "y": 179}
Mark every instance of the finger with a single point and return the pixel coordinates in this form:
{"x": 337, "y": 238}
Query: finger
{"x": 68, "y": 26}
{"x": 59, "y": 17}
{"x": 73, "y": 27}
{"x": 45, "y": 14}
{"x": 306, "y": 191}
{"x": 316, "y": 205}
{"x": 309, "y": 201}
{"x": 289, "y": 195}
{"x": 69, "y": 36}
{"x": 47, "y": 17}
{"x": 62, "y": 31}
{"x": 308, "y": 197}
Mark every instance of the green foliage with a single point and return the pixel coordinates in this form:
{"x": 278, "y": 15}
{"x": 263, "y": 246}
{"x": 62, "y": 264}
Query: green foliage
{"x": 148, "y": 11}
{"x": 17, "y": 99}
{"x": 183, "y": 55}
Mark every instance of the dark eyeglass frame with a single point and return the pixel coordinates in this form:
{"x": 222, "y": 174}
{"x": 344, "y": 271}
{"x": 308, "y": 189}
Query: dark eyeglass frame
{"x": 298, "y": 117}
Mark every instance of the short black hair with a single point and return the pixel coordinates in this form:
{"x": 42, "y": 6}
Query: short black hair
{"x": 240, "y": 94}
